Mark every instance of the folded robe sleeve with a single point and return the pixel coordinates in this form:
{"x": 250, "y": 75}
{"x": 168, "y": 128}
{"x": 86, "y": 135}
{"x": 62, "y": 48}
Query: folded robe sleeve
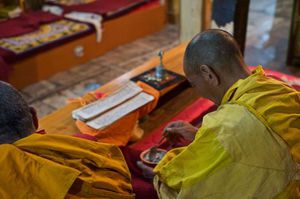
{"x": 46, "y": 166}
{"x": 179, "y": 167}
{"x": 24, "y": 175}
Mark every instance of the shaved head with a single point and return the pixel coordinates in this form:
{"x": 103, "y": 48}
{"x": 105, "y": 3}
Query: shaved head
{"x": 214, "y": 48}
{"x": 213, "y": 62}
{"x": 16, "y": 119}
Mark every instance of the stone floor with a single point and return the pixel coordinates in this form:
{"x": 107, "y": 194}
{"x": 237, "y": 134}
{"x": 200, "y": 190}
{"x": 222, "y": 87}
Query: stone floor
{"x": 267, "y": 39}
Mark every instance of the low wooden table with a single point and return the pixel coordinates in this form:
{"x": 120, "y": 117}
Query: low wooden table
{"x": 61, "y": 122}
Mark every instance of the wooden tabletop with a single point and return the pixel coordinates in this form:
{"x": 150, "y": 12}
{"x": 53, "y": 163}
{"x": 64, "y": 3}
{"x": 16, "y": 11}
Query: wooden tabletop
{"x": 61, "y": 122}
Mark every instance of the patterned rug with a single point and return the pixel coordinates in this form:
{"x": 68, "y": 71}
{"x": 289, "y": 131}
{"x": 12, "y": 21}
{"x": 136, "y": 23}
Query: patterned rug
{"x": 47, "y": 33}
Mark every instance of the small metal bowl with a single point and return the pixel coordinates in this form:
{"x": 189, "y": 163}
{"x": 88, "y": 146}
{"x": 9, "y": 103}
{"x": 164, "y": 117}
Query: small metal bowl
{"x": 145, "y": 159}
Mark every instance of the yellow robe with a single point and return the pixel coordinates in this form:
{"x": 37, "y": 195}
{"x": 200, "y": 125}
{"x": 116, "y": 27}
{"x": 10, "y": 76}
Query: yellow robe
{"x": 248, "y": 148}
{"x": 45, "y": 166}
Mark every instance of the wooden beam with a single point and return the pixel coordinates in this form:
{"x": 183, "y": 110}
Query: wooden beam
{"x": 240, "y": 22}
{"x": 207, "y": 13}
{"x": 190, "y": 18}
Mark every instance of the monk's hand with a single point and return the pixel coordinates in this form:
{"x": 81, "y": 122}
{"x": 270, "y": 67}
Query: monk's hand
{"x": 147, "y": 171}
{"x": 180, "y": 129}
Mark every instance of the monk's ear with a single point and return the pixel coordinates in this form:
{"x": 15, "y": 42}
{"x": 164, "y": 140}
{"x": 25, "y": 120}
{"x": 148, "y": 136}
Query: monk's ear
{"x": 209, "y": 75}
{"x": 34, "y": 117}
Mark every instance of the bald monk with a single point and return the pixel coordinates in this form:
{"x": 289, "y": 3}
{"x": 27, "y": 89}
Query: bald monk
{"x": 54, "y": 166}
{"x": 249, "y": 147}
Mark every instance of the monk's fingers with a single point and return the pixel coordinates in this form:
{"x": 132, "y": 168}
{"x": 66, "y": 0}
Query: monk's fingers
{"x": 176, "y": 131}
{"x": 173, "y": 125}
{"x": 178, "y": 123}
{"x": 166, "y": 132}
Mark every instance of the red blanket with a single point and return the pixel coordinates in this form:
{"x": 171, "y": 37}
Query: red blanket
{"x": 26, "y": 23}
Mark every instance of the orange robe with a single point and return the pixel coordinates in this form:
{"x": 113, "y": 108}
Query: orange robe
{"x": 46, "y": 166}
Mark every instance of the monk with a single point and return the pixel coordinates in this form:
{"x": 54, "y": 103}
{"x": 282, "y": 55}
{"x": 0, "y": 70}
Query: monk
{"x": 37, "y": 165}
{"x": 249, "y": 147}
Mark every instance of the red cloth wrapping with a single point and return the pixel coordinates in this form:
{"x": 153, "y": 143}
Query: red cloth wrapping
{"x": 26, "y": 23}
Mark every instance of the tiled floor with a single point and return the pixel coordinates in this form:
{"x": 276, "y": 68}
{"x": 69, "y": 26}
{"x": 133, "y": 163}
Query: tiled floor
{"x": 267, "y": 37}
